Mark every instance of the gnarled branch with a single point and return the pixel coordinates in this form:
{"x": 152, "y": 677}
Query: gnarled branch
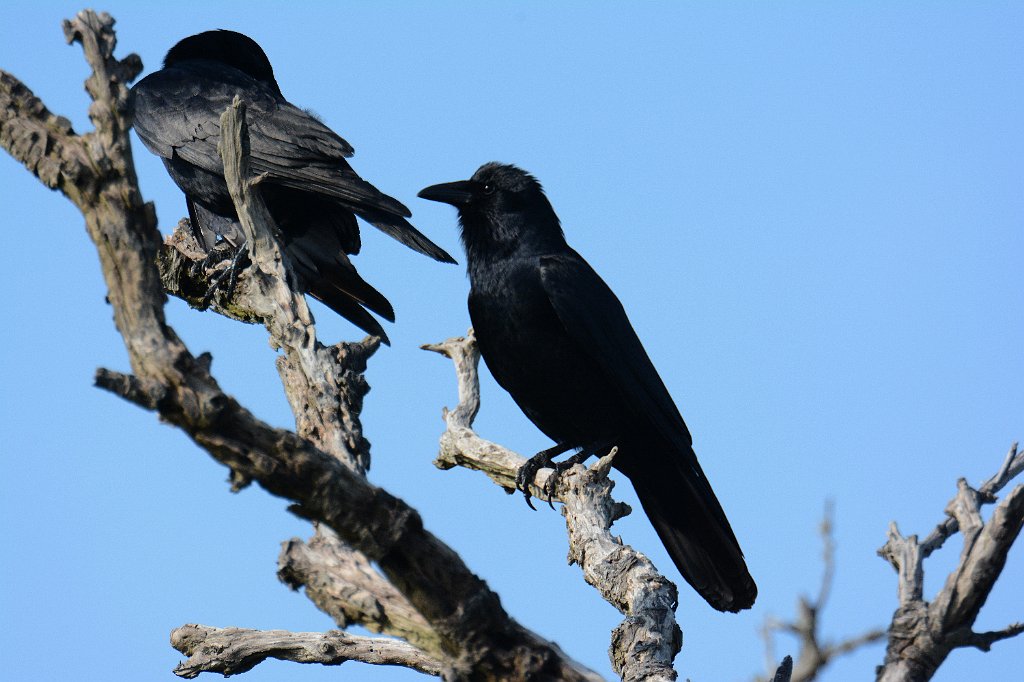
{"x": 230, "y": 651}
{"x": 320, "y": 468}
{"x": 643, "y": 645}
{"x": 345, "y": 585}
{"x": 922, "y": 633}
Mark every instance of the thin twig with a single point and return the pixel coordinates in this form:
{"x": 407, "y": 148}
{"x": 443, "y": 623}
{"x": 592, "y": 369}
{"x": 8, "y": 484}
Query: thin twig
{"x": 814, "y": 654}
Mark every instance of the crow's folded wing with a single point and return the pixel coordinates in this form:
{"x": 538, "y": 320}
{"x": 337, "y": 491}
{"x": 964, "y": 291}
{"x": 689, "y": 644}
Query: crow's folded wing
{"x": 597, "y": 323}
{"x": 177, "y": 113}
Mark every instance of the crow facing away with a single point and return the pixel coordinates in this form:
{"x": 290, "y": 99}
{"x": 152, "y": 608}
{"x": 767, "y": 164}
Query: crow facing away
{"x": 558, "y": 340}
{"x": 313, "y": 194}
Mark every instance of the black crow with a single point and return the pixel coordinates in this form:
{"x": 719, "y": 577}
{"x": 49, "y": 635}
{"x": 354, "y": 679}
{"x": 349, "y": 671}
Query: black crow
{"x": 311, "y": 191}
{"x": 558, "y": 340}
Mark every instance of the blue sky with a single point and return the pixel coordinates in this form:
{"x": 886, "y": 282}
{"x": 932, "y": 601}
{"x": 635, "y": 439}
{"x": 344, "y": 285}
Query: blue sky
{"x": 811, "y": 211}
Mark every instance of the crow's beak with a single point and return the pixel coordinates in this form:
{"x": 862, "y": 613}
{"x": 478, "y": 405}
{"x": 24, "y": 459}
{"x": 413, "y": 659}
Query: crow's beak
{"x": 458, "y": 194}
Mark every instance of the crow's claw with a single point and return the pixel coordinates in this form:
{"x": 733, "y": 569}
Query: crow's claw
{"x": 527, "y": 472}
{"x": 231, "y": 272}
{"x": 551, "y": 485}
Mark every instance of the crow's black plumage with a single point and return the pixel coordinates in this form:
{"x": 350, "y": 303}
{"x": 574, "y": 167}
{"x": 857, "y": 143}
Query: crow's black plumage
{"x": 311, "y": 191}
{"x": 558, "y": 340}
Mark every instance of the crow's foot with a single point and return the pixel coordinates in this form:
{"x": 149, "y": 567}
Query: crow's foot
{"x": 560, "y": 468}
{"x": 230, "y": 273}
{"x": 528, "y": 471}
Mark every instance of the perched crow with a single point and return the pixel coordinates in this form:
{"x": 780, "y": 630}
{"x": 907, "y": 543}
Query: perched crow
{"x": 557, "y": 339}
{"x": 311, "y": 191}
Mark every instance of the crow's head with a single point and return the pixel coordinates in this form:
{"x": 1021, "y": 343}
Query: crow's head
{"x": 227, "y": 47}
{"x": 500, "y": 207}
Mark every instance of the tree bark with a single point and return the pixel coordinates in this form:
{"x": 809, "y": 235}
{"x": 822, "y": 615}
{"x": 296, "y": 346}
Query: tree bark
{"x": 320, "y": 470}
{"x": 371, "y": 562}
{"x": 922, "y": 634}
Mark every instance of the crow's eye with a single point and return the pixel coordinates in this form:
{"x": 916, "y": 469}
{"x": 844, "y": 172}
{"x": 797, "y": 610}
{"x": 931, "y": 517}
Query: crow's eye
{"x": 488, "y": 188}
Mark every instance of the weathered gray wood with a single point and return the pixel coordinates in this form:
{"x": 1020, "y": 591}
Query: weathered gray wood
{"x": 422, "y": 588}
{"x": 95, "y": 171}
{"x": 345, "y": 585}
{"x": 645, "y": 643}
{"x": 230, "y": 651}
{"x": 922, "y": 634}
{"x": 324, "y": 385}
{"x": 1013, "y": 464}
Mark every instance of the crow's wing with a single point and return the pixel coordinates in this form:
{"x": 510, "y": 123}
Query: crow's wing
{"x": 597, "y": 323}
{"x": 664, "y": 470}
{"x": 176, "y": 112}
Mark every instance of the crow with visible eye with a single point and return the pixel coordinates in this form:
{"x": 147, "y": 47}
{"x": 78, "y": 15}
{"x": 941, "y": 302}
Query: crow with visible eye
{"x": 558, "y": 340}
{"x": 313, "y": 194}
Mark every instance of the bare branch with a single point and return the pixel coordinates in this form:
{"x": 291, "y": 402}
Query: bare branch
{"x": 473, "y": 630}
{"x": 814, "y": 654}
{"x": 643, "y": 645}
{"x": 1012, "y": 465}
{"x": 344, "y": 585}
{"x": 285, "y": 312}
{"x": 466, "y": 356}
{"x": 230, "y": 651}
{"x": 985, "y": 640}
{"x": 42, "y": 141}
{"x": 923, "y": 634}
{"x": 853, "y": 643}
{"x": 324, "y": 391}
{"x": 460, "y": 446}
{"x": 828, "y": 555}
{"x": 985, "y": 548}
{"x": 905, "y": 556}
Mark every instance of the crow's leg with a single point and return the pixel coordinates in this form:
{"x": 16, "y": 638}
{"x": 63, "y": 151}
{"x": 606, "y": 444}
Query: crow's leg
{"x": 231, "y": 273}
{"x": 237, "y": 266}
{"x": 539, "y": 461}
{"x": 561, "y": 467}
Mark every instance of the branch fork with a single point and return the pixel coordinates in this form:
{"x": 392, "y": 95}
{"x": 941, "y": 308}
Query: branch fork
{"x": 371, "y": 561}
{"x": 454, "y": 619}
{"x": 922, "y": 633}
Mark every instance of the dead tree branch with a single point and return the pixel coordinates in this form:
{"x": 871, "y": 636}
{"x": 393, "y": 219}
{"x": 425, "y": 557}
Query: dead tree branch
{"x": 230, "y": 651}
{"x": 814, "y": 654}
{"x": 922, "y": 633}
{"x": 644, "y": 645}
{"x": 372, "y": 562}
{"x": 345, "y": 585}
{"x": 319, "y": 468}
{"x": 1012, "y": 465}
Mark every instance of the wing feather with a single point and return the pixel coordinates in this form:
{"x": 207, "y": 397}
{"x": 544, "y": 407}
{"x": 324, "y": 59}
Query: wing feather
{"x": 595, "y": 319}
{"x": 177, "y": 111}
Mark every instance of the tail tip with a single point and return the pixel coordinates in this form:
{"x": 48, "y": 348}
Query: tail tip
{"x": 734, "y": 601}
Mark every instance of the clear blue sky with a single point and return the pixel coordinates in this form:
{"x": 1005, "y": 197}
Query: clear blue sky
{"x": 813, "y": 213}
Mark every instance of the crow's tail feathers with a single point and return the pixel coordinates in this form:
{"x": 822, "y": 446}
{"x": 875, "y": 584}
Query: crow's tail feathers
{"x": 340, "y": 302}
{"x": 399, "y": 228}
{"x": 690, "y": 521}
{"x": 317, "y": 241}
{"x": 332, "y": 279}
